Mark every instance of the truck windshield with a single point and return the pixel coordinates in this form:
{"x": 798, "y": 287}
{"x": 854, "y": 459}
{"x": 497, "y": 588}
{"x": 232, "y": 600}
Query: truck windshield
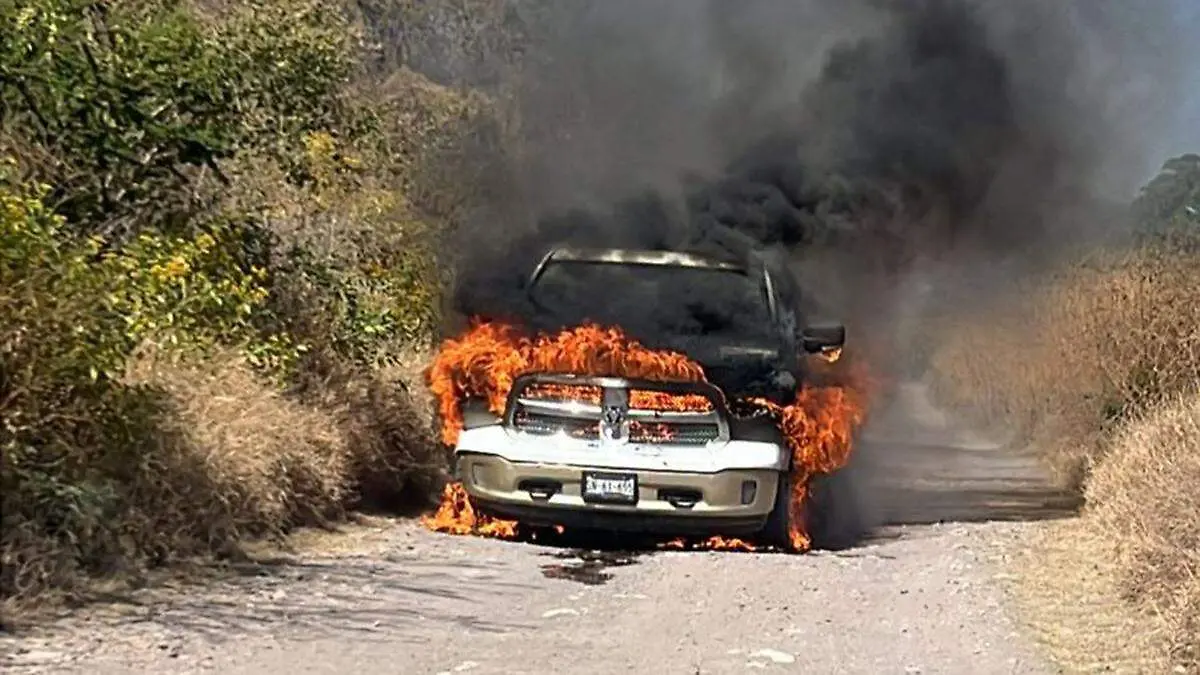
{"x": 652, "y": 301}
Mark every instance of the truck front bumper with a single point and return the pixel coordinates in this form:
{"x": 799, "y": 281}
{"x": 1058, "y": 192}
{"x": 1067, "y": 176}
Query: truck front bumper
{"x": 730, "y": 501}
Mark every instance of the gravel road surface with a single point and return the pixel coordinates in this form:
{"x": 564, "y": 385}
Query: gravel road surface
{"x": 918, "y": 596}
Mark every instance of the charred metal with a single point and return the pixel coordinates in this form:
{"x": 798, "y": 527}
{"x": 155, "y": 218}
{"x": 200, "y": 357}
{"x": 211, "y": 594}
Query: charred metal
{"x": 739, "y": 320}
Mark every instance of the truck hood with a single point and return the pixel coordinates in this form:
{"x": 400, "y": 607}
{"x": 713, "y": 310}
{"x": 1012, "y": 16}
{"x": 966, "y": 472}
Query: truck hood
{"x": 738, "y": 368}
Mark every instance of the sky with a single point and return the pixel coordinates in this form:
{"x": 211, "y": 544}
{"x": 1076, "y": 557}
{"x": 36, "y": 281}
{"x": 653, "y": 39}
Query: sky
{"x": 1146, "y": 54}
{"x": 1185, "y": 135}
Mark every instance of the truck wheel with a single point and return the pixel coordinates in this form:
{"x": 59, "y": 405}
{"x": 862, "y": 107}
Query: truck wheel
{"x": 777, "y": 531}
{"x": 836, "y": 520}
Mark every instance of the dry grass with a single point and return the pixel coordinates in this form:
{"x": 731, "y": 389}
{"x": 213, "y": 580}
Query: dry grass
{"x": 1065, "y": 358}
{"x": 395, "y": 462}
{"x": 1118, "y": 590}
{"x": 1068, "y": 589}
{"x": 268, "y": 462}
{"x": 364, "y": 440}
{"x": 1097, "y": 366}
{"x": 1144, "y": 497}
{"x": 229, "y": 460}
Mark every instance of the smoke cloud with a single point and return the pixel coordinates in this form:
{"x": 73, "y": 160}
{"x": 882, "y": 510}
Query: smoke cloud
{"x": 869, "y": 142}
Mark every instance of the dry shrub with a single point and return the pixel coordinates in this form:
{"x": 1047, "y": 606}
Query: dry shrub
{"x": 1144, "y": 496}
{"x": 206, "y": 455}
{"x": 363, "y": 438}
{"x": 218, "y": 456}
{"x": 269, "y": 463}
{"x": 1065, "y": 358}
{"x": 386, "y": 418}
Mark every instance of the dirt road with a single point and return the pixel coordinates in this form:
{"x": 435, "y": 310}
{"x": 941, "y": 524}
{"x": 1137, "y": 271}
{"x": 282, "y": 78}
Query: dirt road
{"x": 917, "y": 597}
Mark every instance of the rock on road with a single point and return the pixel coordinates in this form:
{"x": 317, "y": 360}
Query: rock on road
{"x": 916, "y": 597}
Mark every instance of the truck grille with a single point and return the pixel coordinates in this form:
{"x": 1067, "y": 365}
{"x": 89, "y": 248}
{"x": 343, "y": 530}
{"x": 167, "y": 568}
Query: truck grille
{"x": 617, "y": 411}
{"x": 550, "y": 424}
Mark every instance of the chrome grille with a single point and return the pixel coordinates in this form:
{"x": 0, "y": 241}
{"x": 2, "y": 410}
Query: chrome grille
{"x": 603, "y": 409}
{"x": 674, "y": 433}
{"x": 547, "y": 425}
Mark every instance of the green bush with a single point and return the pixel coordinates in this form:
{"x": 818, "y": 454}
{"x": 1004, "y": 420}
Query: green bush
{"x": 73, "y": 311}
{"x": 358, "y": 314}
{"x": 218, "y": 189}
{"x": 129, "y": 105}
{"x": 134, "y": 111}
{"x": 166, "y": 288}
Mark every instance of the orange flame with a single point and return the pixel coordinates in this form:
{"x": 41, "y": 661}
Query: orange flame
{"x": 667, "y": 402}
{"x": 456, "y": 515}
{"x": 565, "y": 392}
{"x": 491, "y": 356}
{"x": 711, "y": 544}
{"x": 486, "y": 360}
{"x": 819, "y": 427}
{"x": 650, "y": 432}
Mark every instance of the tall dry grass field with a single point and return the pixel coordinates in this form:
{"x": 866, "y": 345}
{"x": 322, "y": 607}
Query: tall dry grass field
{"x": 1098, "y": 367}
{"x": 1067, "y": 357}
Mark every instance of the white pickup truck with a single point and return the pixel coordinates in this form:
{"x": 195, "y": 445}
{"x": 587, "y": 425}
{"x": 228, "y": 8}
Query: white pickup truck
{"x": 667, "y": 458}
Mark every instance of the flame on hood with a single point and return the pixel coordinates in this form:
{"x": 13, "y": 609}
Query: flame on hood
{"x": 488, "y": 358}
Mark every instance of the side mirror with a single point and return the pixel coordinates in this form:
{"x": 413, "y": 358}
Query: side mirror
{"x": 823, "y": 339}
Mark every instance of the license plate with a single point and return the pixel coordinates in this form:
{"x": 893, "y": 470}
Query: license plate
{"x": 610, "y": 488}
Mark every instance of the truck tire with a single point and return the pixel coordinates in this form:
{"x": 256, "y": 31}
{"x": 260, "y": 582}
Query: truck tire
{"x": 836, "y": 518}
{"x": 777, "y": 530}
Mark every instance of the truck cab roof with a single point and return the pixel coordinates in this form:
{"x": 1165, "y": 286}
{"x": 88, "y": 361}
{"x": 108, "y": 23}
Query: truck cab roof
{"x": 644, "y": 257}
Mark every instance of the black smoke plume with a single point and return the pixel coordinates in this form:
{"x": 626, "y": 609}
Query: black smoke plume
{"x": 861, "y": 143}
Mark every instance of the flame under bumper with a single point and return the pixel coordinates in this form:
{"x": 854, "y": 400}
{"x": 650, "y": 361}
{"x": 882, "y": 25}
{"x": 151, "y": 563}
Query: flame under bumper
{"x": 498, "y": 467}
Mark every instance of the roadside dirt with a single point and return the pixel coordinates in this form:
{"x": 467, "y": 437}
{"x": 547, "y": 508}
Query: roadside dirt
{"x": 926, "y": 593}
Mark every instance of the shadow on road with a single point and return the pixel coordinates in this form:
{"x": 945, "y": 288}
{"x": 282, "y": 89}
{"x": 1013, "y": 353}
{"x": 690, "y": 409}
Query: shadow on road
{"x": 916, "y": 506}
{"x": 412, "y": 597}
{"x": 911, "y": 484}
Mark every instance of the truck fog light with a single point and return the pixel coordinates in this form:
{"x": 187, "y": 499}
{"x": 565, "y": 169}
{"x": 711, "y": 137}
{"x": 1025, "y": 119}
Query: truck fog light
{"x": 749, "y": 490}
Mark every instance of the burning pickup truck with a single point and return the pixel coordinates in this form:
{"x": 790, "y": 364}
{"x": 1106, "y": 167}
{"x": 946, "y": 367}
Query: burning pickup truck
{"x": 714, "y": 427}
